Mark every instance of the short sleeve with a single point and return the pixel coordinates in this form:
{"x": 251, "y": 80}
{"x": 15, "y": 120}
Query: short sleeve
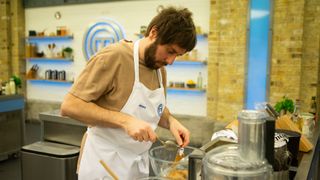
{"x": 97, "y": 77}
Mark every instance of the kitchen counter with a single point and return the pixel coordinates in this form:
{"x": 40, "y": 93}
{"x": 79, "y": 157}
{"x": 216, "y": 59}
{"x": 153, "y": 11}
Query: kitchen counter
{"x": 309, "y": 164}
{"x": 201, "y": 127}
{"x": 61, "y": 129}
{"x": 54, "y": 116}
{"x": 11, "y": 102}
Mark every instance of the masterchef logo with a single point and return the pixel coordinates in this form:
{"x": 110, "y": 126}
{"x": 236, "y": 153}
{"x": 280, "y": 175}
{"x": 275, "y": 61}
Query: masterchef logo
{"x": 101, "y": 34}
{"x": 160, "y": 109}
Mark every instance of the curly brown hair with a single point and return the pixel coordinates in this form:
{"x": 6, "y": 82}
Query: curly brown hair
{"x": 174, "y": 26}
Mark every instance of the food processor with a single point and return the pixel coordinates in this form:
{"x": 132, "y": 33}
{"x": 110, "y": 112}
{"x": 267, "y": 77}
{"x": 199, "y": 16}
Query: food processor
{"x": 251, "y": 159}
{"x": 245, "y": 160}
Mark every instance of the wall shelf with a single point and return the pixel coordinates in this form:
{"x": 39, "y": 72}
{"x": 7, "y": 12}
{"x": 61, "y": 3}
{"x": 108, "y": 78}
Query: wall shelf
{"x": 199, "y": 36}
{"x": 189, "y": 62}
{"x": 49, "y": 81}
{"x": 48, "y": 59}
{"x": 173, "y": 89}
{"x": 51, "y": 38}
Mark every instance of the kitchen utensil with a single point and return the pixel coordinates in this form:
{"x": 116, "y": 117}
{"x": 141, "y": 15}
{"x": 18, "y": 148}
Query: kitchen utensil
{"x": 282, "y": 155}
{"x": 164, "y": 164}
{"x": 285, "y": 122}
{"x": 271, "y": 111}
{"x": 168, "y": 143}
{"x": 225, "y": 162}
{"x": 106, "y": 167}
{"x": 293, "y": 144}
{"x": 171, "y": 144}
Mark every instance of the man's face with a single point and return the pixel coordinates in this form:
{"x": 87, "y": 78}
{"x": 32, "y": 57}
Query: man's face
{"x": 157, "y": 55}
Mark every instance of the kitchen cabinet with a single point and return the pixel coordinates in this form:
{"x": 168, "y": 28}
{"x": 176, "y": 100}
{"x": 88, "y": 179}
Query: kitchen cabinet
{"x": 11, "y": 125}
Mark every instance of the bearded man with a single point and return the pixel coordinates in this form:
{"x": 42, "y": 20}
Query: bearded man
{"x": 120, "y": 95}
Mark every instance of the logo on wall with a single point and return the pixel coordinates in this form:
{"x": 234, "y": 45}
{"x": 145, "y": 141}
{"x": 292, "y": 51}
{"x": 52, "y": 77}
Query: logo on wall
{"x": 101, "y": 34}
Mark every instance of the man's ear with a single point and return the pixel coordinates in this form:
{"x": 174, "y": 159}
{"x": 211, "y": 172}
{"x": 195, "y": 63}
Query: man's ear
{"x": 153, "y": 33}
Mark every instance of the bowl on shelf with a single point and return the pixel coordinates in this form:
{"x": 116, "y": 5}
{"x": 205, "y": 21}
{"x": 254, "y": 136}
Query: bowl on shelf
{"x": 191, "y": 85}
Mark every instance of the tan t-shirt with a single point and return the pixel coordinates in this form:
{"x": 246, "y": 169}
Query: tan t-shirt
{"x": 108, "y": 78}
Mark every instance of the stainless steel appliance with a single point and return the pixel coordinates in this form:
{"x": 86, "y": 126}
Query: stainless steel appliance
{"x": 232, "y": 161}
{"x": 11, "y": 125}
{"x": 55, "y": 157}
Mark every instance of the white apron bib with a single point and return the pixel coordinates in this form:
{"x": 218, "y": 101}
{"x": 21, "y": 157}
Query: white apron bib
{"x": 127, "y": 158}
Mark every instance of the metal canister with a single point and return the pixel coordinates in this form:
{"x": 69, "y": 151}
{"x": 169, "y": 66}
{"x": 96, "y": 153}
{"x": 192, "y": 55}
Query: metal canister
{"x": 48, "y": 74}
{"x": 54, "y": 74}
{"x": 62, "y": 75}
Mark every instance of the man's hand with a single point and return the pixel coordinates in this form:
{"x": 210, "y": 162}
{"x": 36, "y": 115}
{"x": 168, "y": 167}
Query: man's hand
{"x": 181, "y": 133}
{"x": 139, "y": 130}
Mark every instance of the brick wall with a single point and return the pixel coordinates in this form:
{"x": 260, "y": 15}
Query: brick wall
{"x": 294, "y": 54}
{"x": 11, "y": 39}
{"x": 227, "y": 58}
{"x": 287, "y": 45}
{"x": 310, "y": 52}
{"x": 5, "y": 69}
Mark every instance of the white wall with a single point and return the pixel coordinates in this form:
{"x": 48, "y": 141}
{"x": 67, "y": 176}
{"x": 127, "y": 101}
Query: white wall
{"x": 131, "y": 15}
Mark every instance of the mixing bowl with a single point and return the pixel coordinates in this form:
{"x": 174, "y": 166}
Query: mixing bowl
{"x": 163, "y": 162}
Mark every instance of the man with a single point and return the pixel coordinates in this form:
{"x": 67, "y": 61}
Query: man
{"x": 121, "y": 96}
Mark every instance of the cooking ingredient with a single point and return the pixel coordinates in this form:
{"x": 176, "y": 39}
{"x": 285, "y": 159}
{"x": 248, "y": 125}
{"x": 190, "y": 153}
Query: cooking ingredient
{"x": 168, "y": 143}
{"x": 180, "y": 154}
{"x": 190, "y": 82}
{"x": 178, "y": 174}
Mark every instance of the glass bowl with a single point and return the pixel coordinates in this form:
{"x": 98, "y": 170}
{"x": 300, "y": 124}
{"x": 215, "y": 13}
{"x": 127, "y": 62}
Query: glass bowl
{"x": 163, "y": 162}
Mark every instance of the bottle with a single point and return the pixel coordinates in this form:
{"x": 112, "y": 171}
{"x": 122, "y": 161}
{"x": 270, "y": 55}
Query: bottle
{"x": 313, "y": 107}
{"x": 12, "y": 86}
{"x": 7, "y": 89}
{"x": 199, "y": 81}
{"x": 296, "y": 118}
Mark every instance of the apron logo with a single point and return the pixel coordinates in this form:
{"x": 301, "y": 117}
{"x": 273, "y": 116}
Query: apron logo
{"x": 160, "y": 109}
{"x": 100, "y": 34}
{"x": 142, "y": 106}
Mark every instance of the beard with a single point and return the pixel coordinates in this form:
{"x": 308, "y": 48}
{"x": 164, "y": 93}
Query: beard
{"x": 150, "y": 56}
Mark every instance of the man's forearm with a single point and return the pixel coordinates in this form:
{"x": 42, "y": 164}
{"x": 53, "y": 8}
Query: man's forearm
{"x": 91, "y": 114}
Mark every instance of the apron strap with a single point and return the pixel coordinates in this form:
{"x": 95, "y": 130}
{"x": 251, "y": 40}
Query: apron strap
{"x": 136, "y": 60}
{"x": 160, "y": 77}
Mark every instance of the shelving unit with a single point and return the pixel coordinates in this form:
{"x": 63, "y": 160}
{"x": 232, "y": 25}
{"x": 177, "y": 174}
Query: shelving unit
{"x": 186, "y": 68}
{"x": 48, "y": 59}
{"x": 49, "y": 81}
{"x": 199, "y": 36}
{"x": 31, "y": 38}
{"x": 186, "y": 89}
{"x": 189, "y": 62}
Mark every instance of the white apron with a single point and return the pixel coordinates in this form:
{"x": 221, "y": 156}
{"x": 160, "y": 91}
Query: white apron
{"x": 127, "y": 158}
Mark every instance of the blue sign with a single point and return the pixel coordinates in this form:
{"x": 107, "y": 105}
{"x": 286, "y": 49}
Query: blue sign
{"x": 258, "y": 53}
{"x": 101, "y": 34}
